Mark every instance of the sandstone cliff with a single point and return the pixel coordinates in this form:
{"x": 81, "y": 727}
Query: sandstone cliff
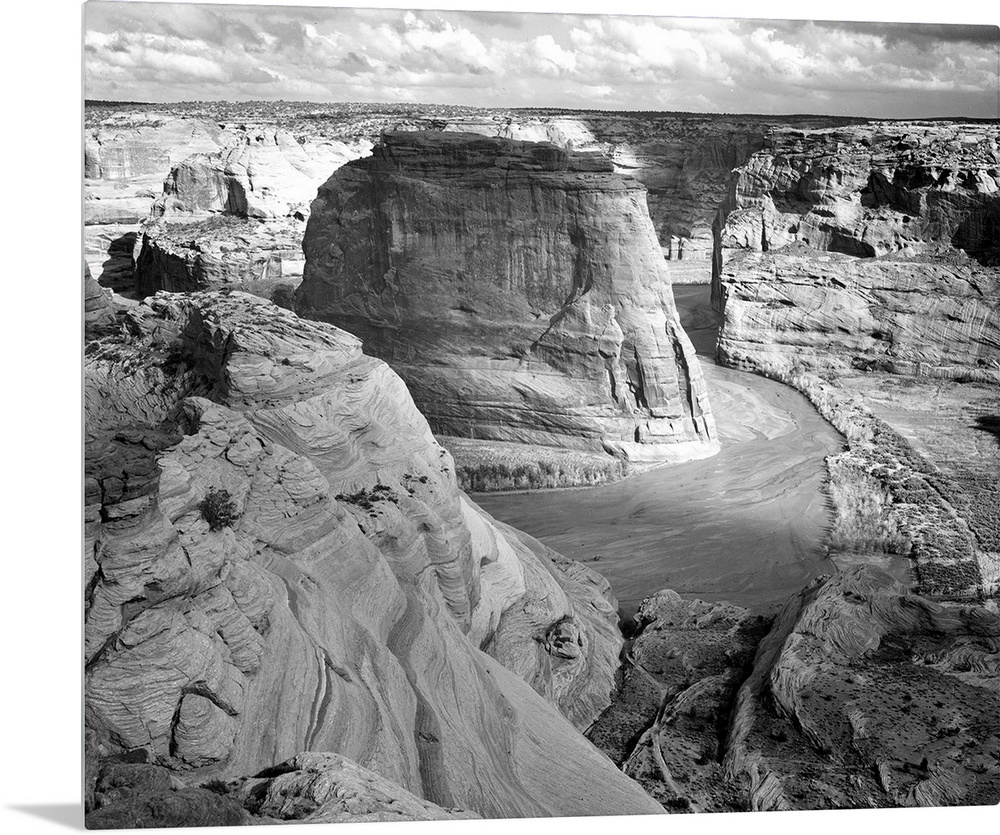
{"x": 516, "y": 287}
{"x": 278, "y": 560}
{"x": 922, "y": 315}
{"x": 920, "y": 189}
{"x": 868, "y": 190}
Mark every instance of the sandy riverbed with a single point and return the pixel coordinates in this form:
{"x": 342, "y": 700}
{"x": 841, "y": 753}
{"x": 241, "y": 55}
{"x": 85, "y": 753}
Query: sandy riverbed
{"x": 745, "y": 526}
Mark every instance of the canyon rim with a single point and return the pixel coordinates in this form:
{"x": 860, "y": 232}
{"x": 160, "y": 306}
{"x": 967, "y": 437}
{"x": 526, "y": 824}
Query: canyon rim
{"x": 517, "y": 416}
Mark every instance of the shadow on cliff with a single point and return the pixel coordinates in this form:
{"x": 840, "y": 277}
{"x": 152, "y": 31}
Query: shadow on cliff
{"x": 989, "y": 424}
{"x": 118, "y": 269}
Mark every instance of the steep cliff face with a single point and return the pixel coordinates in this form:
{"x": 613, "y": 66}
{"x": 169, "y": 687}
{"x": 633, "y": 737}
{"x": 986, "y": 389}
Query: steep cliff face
{"x": 868, "y": 190}
{"x": 923, "y": 315}
{"x": 875, "y": 245}
{"x": 518, "y": 289}
{"x": 277, "y": 560}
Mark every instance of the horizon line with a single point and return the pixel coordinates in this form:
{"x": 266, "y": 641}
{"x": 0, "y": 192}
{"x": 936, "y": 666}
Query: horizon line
{"x": 953, "y": 118}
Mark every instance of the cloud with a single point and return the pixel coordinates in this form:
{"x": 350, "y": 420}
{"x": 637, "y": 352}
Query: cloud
{"x": 199, "y": 51}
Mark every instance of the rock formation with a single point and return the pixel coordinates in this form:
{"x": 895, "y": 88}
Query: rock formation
{"x": 309, "y": 788}
{"x": 862, "y": 695}
{"x": 868, "y": 190}
{"x": 221, "y": 252}
{"x": 667, "y": 725}
{"x": 923, "y": 315}
{"x": 278, "y": 560}
{"x": 865, "y": 695}
{"x": 265, "y": 173}
{"x": 912, "y": 211}
{"x": 98, "y": 307}
{"x": 516, "y": 287}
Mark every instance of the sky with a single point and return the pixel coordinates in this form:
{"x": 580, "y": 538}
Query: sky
{"x": 166, "y": 52}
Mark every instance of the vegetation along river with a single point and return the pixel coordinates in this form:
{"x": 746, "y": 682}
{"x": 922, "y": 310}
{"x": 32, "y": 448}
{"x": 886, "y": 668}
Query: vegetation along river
{"x": 747, "y": 525}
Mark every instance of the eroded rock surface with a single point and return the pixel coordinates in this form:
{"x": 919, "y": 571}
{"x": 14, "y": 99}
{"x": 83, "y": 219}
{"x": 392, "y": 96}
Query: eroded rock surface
{"x": 861, "y": 695}
{"x": 329, "y": 788}
{"x": 263, "y": 258}
{"x": 516, "y": 287}
{"x": 667, "y": 725}
{"x": 920, "y": 315}
{"x": 343, "y": 596}
{"x": 865, "y": 695}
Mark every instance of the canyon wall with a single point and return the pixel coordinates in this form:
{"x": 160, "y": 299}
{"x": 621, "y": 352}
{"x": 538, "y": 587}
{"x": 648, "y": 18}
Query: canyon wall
{"x": 874, "y": 245}
{"x": 518, "y": 288}
{"x": 278, "y": 560}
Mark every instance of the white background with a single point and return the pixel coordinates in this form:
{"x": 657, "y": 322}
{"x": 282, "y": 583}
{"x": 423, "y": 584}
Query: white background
{"x": 40, "y": 406}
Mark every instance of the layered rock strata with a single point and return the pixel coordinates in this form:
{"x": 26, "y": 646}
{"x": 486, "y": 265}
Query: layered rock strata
{"x": 278, "y": 560}
{"x": 926, "y": 194}
{"x": 920, "y": 315}
{"x": 518, "y": 289}
{"x": 868, "y": 190}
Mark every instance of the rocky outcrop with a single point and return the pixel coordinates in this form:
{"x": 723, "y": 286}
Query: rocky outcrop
{"x": 263, "y": 258}
{"x": 329, "y": 788}
{"x": 98, "y": 307}
{"x": 516, "y": 287}
{"x": 923, "y": 315}
{"x": 861, "y": 695}
{"x": 865, "y": 696}
{"x": 309, "y": 788}
{"x": 278, "y": 560}
{"x": 668, "y": 722}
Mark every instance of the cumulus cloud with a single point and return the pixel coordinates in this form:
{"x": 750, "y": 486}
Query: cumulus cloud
{"x": 166, "y": 52}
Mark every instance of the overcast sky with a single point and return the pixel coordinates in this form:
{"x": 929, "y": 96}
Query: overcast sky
{"x": 171, "y": 52}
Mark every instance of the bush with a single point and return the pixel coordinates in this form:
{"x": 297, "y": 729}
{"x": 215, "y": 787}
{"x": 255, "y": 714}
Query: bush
{"x": 218, "y": 509}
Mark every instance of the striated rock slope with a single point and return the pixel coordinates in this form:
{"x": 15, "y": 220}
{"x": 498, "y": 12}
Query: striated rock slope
{"x": 921, "y": 315}
{"x": 516, "y": 287}
{"x": 278, "y": 560}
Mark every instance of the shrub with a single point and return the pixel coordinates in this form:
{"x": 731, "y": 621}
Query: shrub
{"x": 864, "y": 521}
{"x": 217, "y": 786}
{"x": 218, "y": 509}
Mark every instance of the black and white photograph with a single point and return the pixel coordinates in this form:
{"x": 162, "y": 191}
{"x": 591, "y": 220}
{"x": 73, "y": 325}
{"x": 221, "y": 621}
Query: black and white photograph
{"x": 528, "y": 413}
